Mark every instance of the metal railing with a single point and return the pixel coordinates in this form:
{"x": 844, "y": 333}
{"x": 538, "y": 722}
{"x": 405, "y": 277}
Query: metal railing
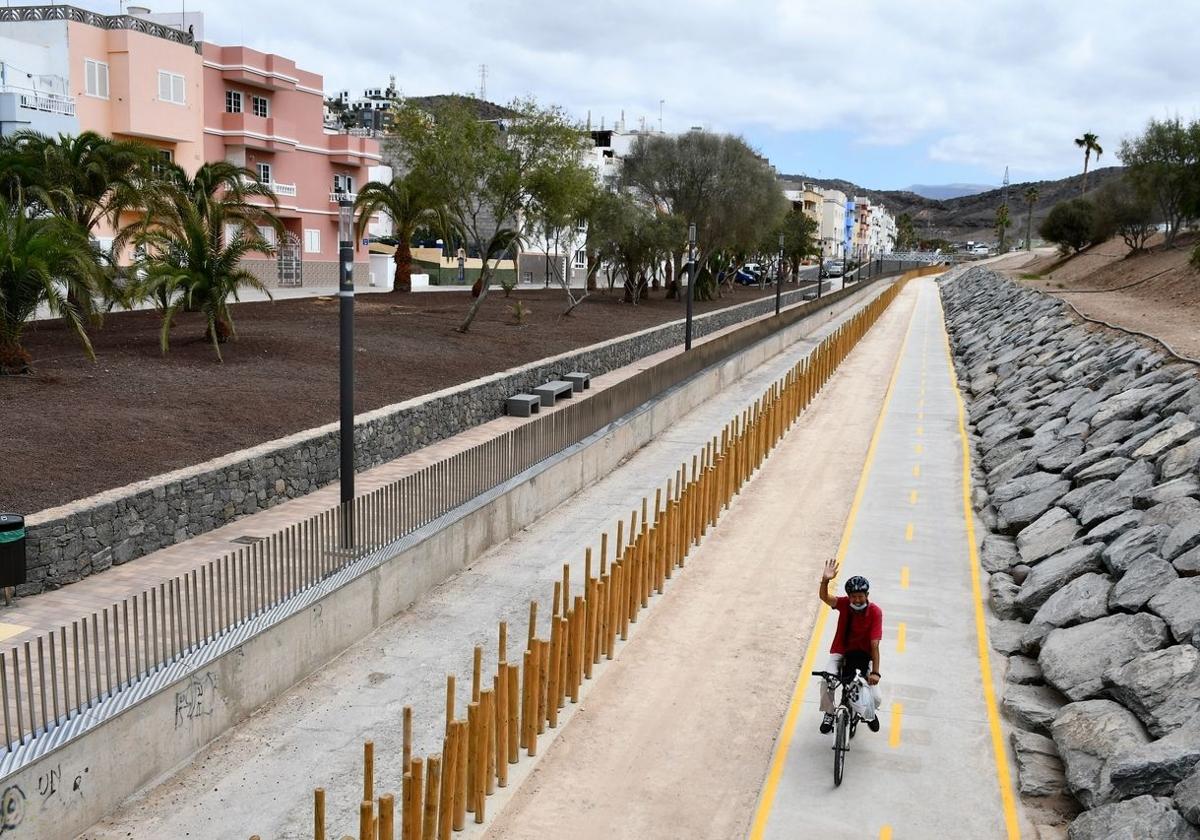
{"x": 43, "y": 101}
{"x": 283, "y": 189}
{"x": 52, "y": 679}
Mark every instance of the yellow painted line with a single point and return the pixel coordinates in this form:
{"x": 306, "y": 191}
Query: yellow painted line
{"x": 920, "y": 431}
{"x": 904, "y": 577}
{"x": 901, "y": 636}
{"x": 920, "y": 449}
{"x": 885, "y": 833}
{"x": 912, "y": 497}
{"x": 999, "y": 754}
{"x": 894, "y": 726}
{"x": 908, "y": 533}
{"x": 916, "y": 470}
{"x": 767, "y": 798}
{"x": 7, "y": 631}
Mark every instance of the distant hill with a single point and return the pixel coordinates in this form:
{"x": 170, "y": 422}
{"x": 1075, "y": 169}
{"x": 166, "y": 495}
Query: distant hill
{"x": 941, "y": 192}
{"x": 971, "y": 216}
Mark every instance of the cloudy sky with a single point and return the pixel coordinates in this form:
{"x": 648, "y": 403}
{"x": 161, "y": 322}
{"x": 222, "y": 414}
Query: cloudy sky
{"x": 886, "y": 94}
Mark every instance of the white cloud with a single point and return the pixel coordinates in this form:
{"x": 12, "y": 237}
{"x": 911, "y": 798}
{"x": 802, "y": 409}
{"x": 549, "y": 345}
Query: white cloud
{"x": 987, "y": 83}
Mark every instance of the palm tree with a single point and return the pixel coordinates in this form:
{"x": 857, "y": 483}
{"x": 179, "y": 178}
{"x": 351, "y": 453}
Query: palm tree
{"x": 1031, "y": 198}
{"x": 409, "y": 205}
{"x": 1003, "y": 223}
{"x": 1089, "y": 143}
{"x": 39, "y": 256}
{"x": 195, "y": 242}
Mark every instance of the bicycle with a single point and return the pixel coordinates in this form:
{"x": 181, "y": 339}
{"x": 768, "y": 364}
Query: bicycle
{"x": 845, "y": 719}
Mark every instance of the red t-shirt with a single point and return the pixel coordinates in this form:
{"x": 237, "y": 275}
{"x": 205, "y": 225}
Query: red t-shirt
{"x": 865, "y": 627}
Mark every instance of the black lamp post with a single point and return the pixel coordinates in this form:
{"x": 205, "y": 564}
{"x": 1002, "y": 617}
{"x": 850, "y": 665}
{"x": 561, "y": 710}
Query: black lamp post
{"x": 346, "y": 356}
{"x": 687, "y": 331}
{"x": 779, "y": 282}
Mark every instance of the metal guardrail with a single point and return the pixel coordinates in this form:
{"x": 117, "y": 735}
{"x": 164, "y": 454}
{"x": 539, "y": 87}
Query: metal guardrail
{"x": 49, "y": 681}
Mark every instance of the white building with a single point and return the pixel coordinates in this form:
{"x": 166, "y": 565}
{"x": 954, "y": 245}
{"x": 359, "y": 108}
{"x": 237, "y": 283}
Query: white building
{"x": 833, "y": 224}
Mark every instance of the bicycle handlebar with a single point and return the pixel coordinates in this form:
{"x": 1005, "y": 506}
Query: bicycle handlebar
{"x": 835, "y": 677}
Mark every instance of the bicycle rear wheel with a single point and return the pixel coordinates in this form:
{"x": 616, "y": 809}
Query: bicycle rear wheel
{"x": 840, "y": 745}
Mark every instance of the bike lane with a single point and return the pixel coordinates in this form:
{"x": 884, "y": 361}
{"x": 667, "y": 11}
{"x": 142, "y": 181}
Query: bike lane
{"x": 939, "y": 766}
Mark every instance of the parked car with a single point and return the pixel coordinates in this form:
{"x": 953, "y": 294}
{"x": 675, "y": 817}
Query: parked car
{"x": 746, "y": 276}
{"x": 833, "y": 268}
{"x": 980, "y": 250}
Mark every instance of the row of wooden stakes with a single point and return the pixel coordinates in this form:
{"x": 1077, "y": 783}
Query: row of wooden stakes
{"x": 508, "y": 713}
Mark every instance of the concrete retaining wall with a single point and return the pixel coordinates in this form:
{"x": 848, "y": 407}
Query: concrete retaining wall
{"x": 161, "y": 723}
{"x": 70, "y": 542}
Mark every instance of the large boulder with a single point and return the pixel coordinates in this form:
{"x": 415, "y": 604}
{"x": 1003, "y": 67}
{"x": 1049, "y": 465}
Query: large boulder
{"x": 1024, "y": 485}
{"x": 1088, "y": 736}
{"x": 1025, "y": 510}
{"x": 1032, "y": 707}
{"x": 1053, "y": 573}
{"x": 1188, "y": 563}
{"x": 1002, "y": 595}
{"x": 998, "y": 554}
{"x": 1179, "y": 432}
{"x": 1171, "y": 513}
{"x": 1108, "y": 468}
{"x": 1061, "y": 455}
{"x": 1162, "y": 687}
{"x": 1039, "y": 769}
{"x": 1176, "y": 488}
{"x": 1179, "y": 604}
{"x": 1159, "y": 766}
{"x": 1113, "y": 527}
{"x": 1148, "y": 576}
{"x": 1185, "y": 535}
{"x": 1094, "y": 455}
{"x": 1083, "y": 599}
{"x": 1007, "y": 636}
{"x": 1141, "y": 818}
{"x": 1181, "y": 460}
{"x": 1187, "y": 796}
{"x": 1137, "y": 542}
{"x": 1053, "y": 531}
{"x": 1022, "y": 670}
{"x": 1074, "y": 659}
{"x": 1125, "y": 405}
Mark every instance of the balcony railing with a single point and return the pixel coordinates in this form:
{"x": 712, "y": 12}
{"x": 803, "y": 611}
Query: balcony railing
{"x": 337, "y": 195}
{"x": 283, "y": 189}
{"x": 47, "y": 103}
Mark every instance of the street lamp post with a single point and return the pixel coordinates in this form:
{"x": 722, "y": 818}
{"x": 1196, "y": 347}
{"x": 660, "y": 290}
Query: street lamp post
{"x": 779, "y": 282}
{"x": 687, "y": 332}
{"x": 346, "y": 358}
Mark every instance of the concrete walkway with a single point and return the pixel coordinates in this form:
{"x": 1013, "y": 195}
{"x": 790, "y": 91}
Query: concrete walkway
{"x": 932, "y": 770}
{"x": 258, "y": 778}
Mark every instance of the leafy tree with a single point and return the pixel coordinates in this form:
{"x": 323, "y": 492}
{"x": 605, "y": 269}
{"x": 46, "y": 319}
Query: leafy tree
{"x": 1089, "y": 143}
{"x": 410, "y": 205}
{"x": 906, "y": 233}
{"x": 485, "y": 173}
{"x": 716, "y": 182}
{"x": 1002, "y": 224}
{"x": 1164, "y": 164}
{"x": 1124, "y": 210}
{"x": 561, "y": 195}
{"x": 39, "y": 255}
{"x": 195, "y": 241}
{"x": 799, "y": 239}
{"x": 1069, "y": 225}
{"x": 1031, "y": 200}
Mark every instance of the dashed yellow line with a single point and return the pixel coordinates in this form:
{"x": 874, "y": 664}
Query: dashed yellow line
{"x": 904, "y": 577}
{"x": 912, "y": 497}
{"x": 885, "y": 833}
{"x": 908, "y": 532}
{"x": 920, "y": 449}
{"x": 916, "y": 470}
{"x": 894, "y": 726}
{"x": 901, "y": 636}
{"x": 920, "y": 431}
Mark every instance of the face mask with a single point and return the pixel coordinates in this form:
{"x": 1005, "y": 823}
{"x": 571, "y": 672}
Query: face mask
{"x": 860, "y": 607}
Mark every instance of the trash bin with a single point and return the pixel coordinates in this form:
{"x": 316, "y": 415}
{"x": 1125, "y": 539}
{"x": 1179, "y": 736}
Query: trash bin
{"x": 12, "y": 549}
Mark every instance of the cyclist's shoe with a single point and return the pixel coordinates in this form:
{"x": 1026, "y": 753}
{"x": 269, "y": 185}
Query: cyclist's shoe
{"x": 873, "y": 724}
{"x": 827, "y": 724}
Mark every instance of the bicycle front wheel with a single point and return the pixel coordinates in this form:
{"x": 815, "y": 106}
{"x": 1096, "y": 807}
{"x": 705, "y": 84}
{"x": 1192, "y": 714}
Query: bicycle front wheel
{"x": 840, "y": 745}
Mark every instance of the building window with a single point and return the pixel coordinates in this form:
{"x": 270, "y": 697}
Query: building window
{"x": 261, "y": 106}
{"x": 312, "y": 241}
{"x": 581, "y": 258}
{"x": 170, "y": 88}
{"x": 268, "y": 234}
{"x": 264, "y": 172}
{"x": 95, "y": 78}
{"x": 233, "y": 101}
{"x": 343, "y": 184}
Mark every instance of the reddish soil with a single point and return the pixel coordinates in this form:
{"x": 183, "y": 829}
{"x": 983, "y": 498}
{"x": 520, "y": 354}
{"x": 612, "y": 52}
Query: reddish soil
{"x": 1100, "y": 283}
{"x": 75, "y": 427}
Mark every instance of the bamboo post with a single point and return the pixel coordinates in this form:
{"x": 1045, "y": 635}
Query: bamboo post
{"x": 554, "y": 676}
{"x": 473, "y": 738}
{"x": 418, "y": 799}
{"x": 556, "y": 601}
{"x": 449, "y": 718}
{"x": 319, "y": 814}
{"x": 488, "y": 710}
{"x": 589, "y": 612}
{"x": 449, "y": 783}
{"x": 587, "y": 565}
{"x": 502, "y": 645}
{"x": 476, "y": 673}
{"x": 386, "y": 829}
{"x": 368, "y": 771}
{"x": 617, "y": 554}
{"x": 532, "y": 624}
{"x": 500, "y": 684}
{"x": 527, "y": 701}
{"x": 460, "y": 776}
{"x": 603, "y": 553}
{"x": 406, "y": 807}
{"x": 429, "y": 824}
{"x": 566, "y": 586}
{"x": 580, "y": 625}
{"x": 366, "y": 820}
{"x": 542, "y": 648}
{"x": 514, "y": 717}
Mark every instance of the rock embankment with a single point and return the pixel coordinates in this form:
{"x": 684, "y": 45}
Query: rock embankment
{"x": 1087, "y": 462}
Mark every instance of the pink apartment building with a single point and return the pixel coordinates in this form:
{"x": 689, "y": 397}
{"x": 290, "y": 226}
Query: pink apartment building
{"x": 67, "y": 70}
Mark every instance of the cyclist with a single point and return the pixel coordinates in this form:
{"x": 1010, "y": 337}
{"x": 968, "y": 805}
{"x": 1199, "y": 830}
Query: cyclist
{"x": 856, "y": 642}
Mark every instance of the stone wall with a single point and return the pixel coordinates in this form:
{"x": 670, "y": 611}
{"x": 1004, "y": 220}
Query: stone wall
{"x": 316, "y": 273}
{"x": 70, "y": 542}
{"x": 1087, "y": 451}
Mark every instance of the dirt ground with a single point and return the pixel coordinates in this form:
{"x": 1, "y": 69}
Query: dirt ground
{"x": 1098, "y": 283}
{"x": 699, "y": 694}
{"x": 76, "y": 427}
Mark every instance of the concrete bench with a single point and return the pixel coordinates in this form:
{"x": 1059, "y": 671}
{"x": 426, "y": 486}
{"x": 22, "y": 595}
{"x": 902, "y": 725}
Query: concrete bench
{"x": 581, "y": 381}
{"x": 523, "y": 405}
{"x": 553, "y": 390}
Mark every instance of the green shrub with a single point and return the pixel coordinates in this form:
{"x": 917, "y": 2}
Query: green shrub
{"x": 1071, "y": 225}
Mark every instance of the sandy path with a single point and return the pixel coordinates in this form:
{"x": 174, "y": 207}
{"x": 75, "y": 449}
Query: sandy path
{"x": 675, "y": 738}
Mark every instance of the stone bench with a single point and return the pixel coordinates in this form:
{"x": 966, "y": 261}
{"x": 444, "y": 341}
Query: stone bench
{"x": 522, "y": 405}
{"x": 580, "y": 381}
{"x": 551, "y": 391}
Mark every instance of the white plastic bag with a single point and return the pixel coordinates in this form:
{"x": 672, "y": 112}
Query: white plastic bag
{"x": 862, "y": 699}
